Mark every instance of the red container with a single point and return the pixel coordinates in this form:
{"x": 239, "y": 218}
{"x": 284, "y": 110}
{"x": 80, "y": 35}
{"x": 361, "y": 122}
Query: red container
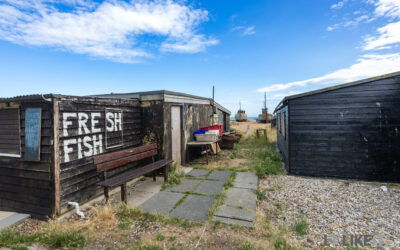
{"x": 214, "y": 127}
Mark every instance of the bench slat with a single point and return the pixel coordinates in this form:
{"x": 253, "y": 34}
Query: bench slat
{"x": 123, "y": 153}
{"x": 119, "y": 162}
{"x": 134, "y": 173}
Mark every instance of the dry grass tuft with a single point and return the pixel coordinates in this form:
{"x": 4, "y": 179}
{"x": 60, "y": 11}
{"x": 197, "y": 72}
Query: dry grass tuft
{"x": 104, "y": 217}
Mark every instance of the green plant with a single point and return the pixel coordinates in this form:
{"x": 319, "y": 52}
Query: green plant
{"x": 260, "y": 194}
{"x": 13, "y": 239}
{"x": 246, "y": 246}
{"x": 175, "y": 176}
{"x": 278, "y": 206}
{"x": 160, "y": 237}
{"x": 63, "y": 239}
{"x": 172, "y": 239}
{"x": 301, "y": 226}
{"x": 281, "y": 244}
{"x": 273, "y": 188}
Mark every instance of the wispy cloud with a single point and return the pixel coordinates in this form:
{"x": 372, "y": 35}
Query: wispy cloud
{"x": 245, "y": 30}
{"x": 111, "y": 29}
{"x": 338, "y": 5}
{"x": 367, "y": 66}
{"x": 348, "y": 23}
{"x": 388, "y": 34}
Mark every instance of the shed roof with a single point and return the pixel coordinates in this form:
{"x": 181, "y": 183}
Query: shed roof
{"x": 33, "y": 97}
{"x": 345, "y": 85}
{"x": 162, "y": 95}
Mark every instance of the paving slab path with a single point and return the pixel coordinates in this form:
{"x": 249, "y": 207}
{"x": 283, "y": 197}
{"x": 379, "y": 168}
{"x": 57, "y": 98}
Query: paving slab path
{"x": 240, "y": 203}
{"x": 192, "y": 199}
{"x": 195, "y": 196}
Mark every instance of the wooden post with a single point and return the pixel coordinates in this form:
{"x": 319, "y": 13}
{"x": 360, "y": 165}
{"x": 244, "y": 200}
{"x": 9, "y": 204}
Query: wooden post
{"x": 154, "y": 175}
{"x": 166, "y": 173}
{"x": 124, "y": 193}
{"x": 56, "y": 159}
{"x": 106, "y": 195}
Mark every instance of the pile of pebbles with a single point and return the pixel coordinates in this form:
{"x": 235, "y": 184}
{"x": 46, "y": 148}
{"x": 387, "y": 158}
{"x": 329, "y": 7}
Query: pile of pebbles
{"x": 335, "y": 209}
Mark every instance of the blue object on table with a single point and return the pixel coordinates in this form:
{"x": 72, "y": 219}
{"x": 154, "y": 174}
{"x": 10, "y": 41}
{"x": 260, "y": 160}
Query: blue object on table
{"x": 200, "y": 132}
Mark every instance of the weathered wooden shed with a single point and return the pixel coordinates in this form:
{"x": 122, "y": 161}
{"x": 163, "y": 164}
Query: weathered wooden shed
{"x": 347, "y": 131}
{"x": 170, "y": 118}
{"x": 47, "y": 144}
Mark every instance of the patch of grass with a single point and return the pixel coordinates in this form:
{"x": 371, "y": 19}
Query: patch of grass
{"x": 273, "y": 188}
{"x": 59, "y": 238}
{"x": 264, "y": 158}
{"x": 281, "y": 244}
{"x": 139, "y": 246}
{"x": 175, "y": 176}
{"x": 246, "y": 246}
{"x": 278, "y": 206}
{"x": 301, "y": 226}
{"x": 160, "y": 237}
{"x": 13, "y": 239}
{"x": 260, "y": 194}
{"x": 229, "y": 183}
{"x": 172, "y": 239}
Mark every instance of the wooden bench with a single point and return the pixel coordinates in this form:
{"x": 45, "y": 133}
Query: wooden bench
{"x": 116, "y": 159}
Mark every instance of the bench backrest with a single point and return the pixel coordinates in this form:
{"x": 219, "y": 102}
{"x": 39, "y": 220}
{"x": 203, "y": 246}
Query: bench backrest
{"x": 115, "y": 159}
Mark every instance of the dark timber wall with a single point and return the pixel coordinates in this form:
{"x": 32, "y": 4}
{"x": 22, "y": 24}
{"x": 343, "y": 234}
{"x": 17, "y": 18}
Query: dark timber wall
{"x": 27, "y": 186}
{"x": 349, "y": 132}
{"x": 78, "y": 176}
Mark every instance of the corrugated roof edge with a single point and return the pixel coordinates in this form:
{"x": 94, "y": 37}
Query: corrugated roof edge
{"x": 339, "y": 86}
{"x": 45, "y": 97}
{"x": 163, "y": 92}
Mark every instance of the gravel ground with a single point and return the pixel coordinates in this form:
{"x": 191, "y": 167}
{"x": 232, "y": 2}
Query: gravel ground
{"x": 335, "y": 208}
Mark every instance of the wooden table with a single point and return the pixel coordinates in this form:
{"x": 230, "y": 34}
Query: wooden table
{"x": 205, "y": 145}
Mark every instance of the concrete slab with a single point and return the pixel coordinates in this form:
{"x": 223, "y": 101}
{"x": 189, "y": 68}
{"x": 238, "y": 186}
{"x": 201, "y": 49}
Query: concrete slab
{"x": 233, "y": 221}
{"x": 235, "y": 213}
{"x": 198, "y": 173}
{"x": 239, "y": 197}
{"x": 5, "y": 214}
{"x": 162, "y": 202}
{"x": 246, "y": 180}
{"x": 11, "y": 219}
{"x": 220, "y": 175}
{"x": 187, "y": 185}
{"x": 194, "y": 207}
{"x": 210, "y": 187}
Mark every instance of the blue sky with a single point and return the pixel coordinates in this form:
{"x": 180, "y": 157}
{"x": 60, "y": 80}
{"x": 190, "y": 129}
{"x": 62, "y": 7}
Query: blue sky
{"x": 242, "y": 47}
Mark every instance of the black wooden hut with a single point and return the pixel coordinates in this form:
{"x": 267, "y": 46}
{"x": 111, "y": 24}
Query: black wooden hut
{"x": 47, "y": 144}
{"x": 162, "y": 109}
{"x": 347, "y": 131}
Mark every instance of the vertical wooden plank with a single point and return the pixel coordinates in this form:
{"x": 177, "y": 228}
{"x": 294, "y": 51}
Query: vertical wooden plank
{"x": 124, "y": 193}
{"x": 176, "y": 138}
{"x": 56, "y": 155}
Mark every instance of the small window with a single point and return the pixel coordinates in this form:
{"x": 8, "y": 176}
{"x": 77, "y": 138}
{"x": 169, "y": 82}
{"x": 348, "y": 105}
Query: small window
{"x": 10, "y": 140}
{"x": 284, "y": 124}
{"x": 280, "y": 122}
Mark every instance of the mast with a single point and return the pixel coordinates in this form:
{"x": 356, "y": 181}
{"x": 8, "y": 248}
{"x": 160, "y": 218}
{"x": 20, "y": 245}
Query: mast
{"x": 265, "y": 100}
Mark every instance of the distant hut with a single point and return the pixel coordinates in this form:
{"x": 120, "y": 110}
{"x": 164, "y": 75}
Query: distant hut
{"x": 241, "y": 114}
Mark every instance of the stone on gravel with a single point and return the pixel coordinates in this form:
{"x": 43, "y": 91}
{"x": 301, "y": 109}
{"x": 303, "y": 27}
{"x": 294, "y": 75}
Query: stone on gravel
{"x": 246, "y": 180}
{"x": 220, "y": 175}
{"x": 235, "y": 213}
{"x": 241, "y": 197}
{"x": 187, "y": 185}
{"x": 194, "y": 207}
{"x": 162, "y": 202}
{"x": 210, "y": 187}
{"x": 198, "y": 173}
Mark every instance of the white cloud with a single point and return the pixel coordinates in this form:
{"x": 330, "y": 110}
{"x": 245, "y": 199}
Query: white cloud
{"x": 367, "y": 66}
{"x": 388, "y": 35}
{"x": 338, "y": 5}
{"x": 110, "y": 29}
{"x": 390, "y": 8}
{"x": 245, "y": 31}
